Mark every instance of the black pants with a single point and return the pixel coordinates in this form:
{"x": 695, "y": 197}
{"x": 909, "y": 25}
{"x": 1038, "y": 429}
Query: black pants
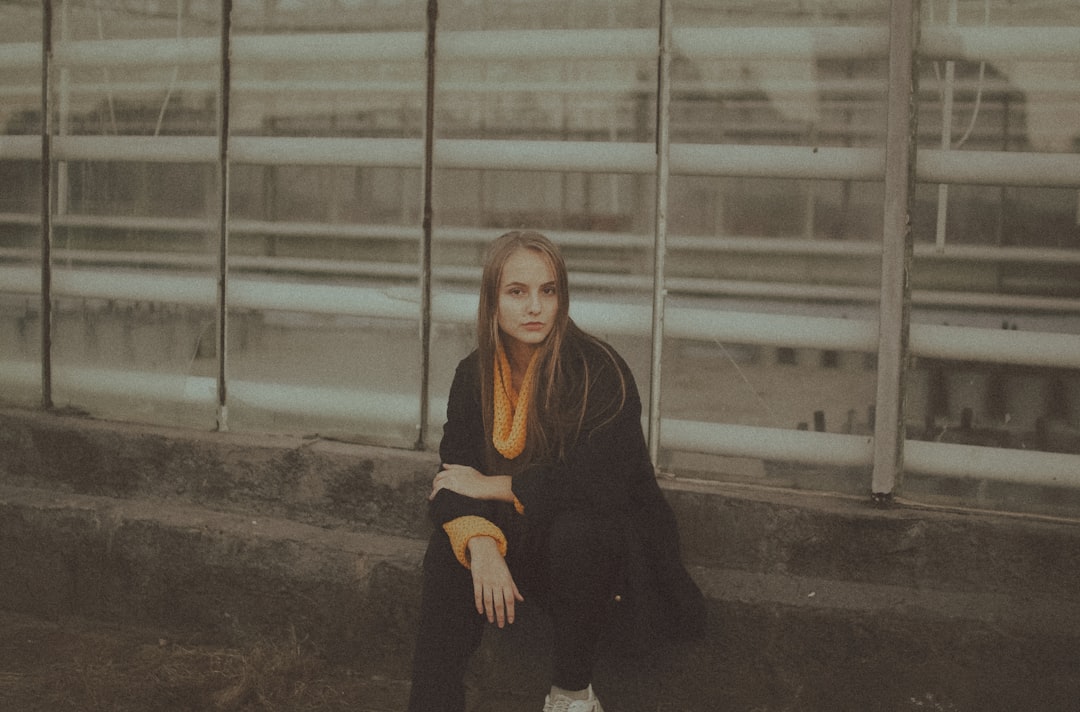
{"x": 570, "y": 566}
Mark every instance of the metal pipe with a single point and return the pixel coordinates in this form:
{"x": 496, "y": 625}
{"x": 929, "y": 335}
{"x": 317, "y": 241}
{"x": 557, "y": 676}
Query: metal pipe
{"x": 946, "y": 137}
{"x": 525, "y": 45}
{"x": 1000, "y": 44}
{"x": 806, "y": 162}
{"x": 46, "y": 158}
{"x": 849, "y": 91}
{"x": 396, "y": 410}
{"x": 992, "y": 44}
{"x": 61, "y": 185}
{"x": 781, "y": 43}
{"x": 896, "y": 253}
{"x": 821, "y": 297}
{"x": 1029, "y": 467}
{"x": 279, "y": 151}
{"x": 310, "y": 48}
{"x": 781, "y": 444}
{"x": 1005, "y": 168}
{"x": 966, "y": 343}
{"x": 353, "y": 406}
{"x": 858, "y": 335}
{"x": 224, "y": 94}
{"x": 22, "y": 148}
{"x": 1061, "y": 170}
{"x": 772, "y": 246}
{"x": 822, "y": 89}
{"x": 663, "y": 128}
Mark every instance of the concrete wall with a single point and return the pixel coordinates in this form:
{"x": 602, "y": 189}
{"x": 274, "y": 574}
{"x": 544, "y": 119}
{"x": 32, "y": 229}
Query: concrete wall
{"x": 240, "y": 535}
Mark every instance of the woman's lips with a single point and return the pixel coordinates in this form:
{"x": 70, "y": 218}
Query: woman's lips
{"x": 534, "y": 326}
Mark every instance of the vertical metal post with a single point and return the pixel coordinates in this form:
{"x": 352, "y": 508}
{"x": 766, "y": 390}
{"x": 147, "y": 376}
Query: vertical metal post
{"x": 896, "y": 251}
{"x": 224, "y": 89}
{"x": 425, "y": 238}
{"x": 46, "y": 204}
{"x": 663, "y": 141}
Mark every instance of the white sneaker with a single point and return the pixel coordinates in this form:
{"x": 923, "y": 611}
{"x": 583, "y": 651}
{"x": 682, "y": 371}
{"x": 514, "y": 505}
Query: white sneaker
{"x": 562, "y": 703}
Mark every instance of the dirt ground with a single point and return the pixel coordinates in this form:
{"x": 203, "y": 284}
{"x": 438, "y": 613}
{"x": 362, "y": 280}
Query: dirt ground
{"x": 87, "y": 666}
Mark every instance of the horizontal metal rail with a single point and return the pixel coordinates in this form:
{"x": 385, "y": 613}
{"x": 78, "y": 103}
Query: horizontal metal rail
{"x": 772, "y": 246}
{"x": 606, "y": 317}
{"x": 994, "y": 44}
{"x": 965, "y": 343}
{"x": 808, "y": 447}
{"x": 398, "y": 410}
{"x": 823, "y": 91}
{"x": 698, "y": 287}
{"x": 1061, "y": 170}
{"x": 795, "y": 162}
{"x": 1000, "y": 44}
{"x": 838, "y": 450}
{"x": 354, "y": 406}
{"x": 992, "y": 463}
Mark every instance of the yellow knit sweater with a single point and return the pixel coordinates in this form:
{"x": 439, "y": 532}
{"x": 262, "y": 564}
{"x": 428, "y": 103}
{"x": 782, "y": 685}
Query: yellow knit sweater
{"x": 511, "y": 409}
{"x": 509, "y": 423}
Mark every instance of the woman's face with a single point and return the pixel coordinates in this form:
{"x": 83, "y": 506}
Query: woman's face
{"x": 528, "y": 299}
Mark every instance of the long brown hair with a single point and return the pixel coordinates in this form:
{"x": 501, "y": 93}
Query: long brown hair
{"x": 558, "y": 410}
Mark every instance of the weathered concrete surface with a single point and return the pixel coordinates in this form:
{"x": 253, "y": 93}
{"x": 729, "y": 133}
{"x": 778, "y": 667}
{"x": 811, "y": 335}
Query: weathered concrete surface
{"x": 158, "y": 563}
{"x": 237, "y": 534}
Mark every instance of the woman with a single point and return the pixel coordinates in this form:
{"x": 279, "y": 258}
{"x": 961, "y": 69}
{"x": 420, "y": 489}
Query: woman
{"x": 546, "y": 490}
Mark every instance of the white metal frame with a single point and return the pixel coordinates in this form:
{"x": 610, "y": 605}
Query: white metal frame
{"x": 894, "y": 338}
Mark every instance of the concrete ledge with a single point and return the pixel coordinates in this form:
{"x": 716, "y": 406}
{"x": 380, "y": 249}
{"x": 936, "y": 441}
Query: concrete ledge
{"x": 240, "y": 535}
{"x": 315, "y": 481}
{"x": 161, "y": 564}
{"x": 355, "y": 594}
{"x": 357, "y": 488}
{"x": 820, "y": 536}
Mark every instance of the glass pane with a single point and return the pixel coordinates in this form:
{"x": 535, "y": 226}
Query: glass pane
{"x": 1003, "y": 257}
{"x": 508, "y": 90}
{"x": 135, "y": 211}
{"x": 772, "y": 272}
{"x": 20, "y": 205}
{"x": 325, "y": 202}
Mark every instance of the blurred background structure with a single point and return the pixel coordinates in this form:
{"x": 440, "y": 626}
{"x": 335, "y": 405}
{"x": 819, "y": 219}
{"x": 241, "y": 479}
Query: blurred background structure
{"x": 268, "y": 215}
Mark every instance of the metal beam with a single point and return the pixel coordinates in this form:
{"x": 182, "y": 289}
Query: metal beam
{"x": 46, "y": 203}
{"x": 896, "y": 254}
{"x": 663, "y": 120}
{"x": 223, "y": 164}
{"x": 996, "y": 44}
{"x": 1061, "y": 170}
{"x": 426, "y": 237}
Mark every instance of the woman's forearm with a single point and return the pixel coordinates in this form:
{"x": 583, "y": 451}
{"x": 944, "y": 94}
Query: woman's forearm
{"x": 500, "y": 488}
{"x": 470, "y": 482}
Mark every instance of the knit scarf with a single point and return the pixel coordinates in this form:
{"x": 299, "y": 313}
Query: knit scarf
{"x": 511, "y": 409}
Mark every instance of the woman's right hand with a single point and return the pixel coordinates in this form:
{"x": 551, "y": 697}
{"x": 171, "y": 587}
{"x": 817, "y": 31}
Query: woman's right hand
{"x": 493, "y": 586}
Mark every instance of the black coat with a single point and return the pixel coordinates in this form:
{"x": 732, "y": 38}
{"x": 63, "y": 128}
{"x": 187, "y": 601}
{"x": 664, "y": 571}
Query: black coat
{"x": 607, "y": 470}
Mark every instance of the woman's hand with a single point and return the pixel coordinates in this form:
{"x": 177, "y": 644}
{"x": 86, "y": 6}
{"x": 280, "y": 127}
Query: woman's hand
{"x": 471, "y": 483}
{"x": 493, "y": 586}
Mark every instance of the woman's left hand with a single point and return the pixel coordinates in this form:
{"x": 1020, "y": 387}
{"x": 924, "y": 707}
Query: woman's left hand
{"x": 465, "y": 481}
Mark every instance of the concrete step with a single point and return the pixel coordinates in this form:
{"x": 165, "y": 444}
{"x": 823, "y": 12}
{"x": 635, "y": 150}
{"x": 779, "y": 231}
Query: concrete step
{"x": 815, "y": 602}
{"x": 355, "y": 488}
{"x": 159, "y": 563}
{"x": 776, "y": 638}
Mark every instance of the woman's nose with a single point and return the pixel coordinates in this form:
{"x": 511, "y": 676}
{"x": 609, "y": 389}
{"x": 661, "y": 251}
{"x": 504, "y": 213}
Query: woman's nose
{"x": 534, "y": 304}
